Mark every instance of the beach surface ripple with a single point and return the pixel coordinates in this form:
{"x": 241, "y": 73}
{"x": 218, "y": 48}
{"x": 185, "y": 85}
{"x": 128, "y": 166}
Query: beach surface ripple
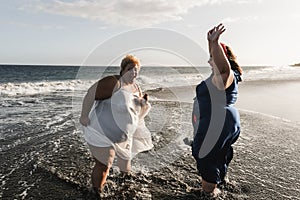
{"x": 54, "y": 163}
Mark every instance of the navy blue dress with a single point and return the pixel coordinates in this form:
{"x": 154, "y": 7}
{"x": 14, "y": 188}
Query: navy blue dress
{"x": 218, "y": 129}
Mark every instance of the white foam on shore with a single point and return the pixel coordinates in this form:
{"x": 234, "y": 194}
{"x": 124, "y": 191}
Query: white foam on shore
{"x": 32, "y": 88}
{"x": 148, "y": 82}
{"x": 169, "y": 81}
{"x": 272, "y": 73}
{"x": 265, "y": 114}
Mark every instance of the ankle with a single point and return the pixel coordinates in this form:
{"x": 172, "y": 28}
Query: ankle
{"x": 213, "y": 193}
{"x": 126, "y": 174}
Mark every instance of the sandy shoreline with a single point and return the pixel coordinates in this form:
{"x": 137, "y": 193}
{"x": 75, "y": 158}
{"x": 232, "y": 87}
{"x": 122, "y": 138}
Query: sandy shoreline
{"x": 265, "y": 164}
{"x": 267, "y": 157}
{"x": 279, "y": 98}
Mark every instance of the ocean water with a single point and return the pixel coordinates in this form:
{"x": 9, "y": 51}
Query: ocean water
{"x": 38, "y": 97}
{"x": 16, "y": 80}
{"x": 40, "y": 107}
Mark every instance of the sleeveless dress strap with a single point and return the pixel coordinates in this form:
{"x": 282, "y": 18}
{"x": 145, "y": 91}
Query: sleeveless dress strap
{"x": 237, "y": 76}
{"x": 135, "y": 85}
{"x": 139, "y": 90}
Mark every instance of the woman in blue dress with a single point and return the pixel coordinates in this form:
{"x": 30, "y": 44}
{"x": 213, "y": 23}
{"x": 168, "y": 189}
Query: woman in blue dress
{"x": 219, "y": 122}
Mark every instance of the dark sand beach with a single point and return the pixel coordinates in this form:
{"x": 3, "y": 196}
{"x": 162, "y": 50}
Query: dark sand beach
{"x": 44, "y": 156}
{"x": 265, "y": 166}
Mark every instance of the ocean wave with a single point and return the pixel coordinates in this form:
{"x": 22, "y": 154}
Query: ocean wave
{"x": 272, "y": 73}
{"x": 161, "y": 79}
{"x": 169, "y": 81}
{"x": 33, "y": 88}
{"x": 267, "y": 73}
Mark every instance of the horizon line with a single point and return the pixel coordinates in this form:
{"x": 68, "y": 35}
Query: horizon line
{"x": 73, "y": 65}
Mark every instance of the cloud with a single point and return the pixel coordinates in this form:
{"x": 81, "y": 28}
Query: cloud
{"x": 248, "y": 1}
{"x": 121, "y": 12}
{"x": 132, "y": 13}
{"x": 32, "y": 26}
{"x": 236, "y": 19}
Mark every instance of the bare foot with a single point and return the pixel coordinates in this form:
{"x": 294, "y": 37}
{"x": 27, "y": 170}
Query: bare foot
{"x": 216, "y": 192}
{"x": 210, "y": 188}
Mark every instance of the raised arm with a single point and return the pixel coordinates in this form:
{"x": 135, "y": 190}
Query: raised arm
{"x": 223, "y": 76}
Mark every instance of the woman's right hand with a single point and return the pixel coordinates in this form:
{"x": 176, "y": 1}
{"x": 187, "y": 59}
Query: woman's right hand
{"x": 214, "y": 34}
{"x": 84, "y": 120}
{"x": 146, "y": 97}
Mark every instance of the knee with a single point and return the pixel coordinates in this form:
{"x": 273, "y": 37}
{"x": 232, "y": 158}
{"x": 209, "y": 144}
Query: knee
{"x": 101, "y": 167}
{"x": 124, "y": 165}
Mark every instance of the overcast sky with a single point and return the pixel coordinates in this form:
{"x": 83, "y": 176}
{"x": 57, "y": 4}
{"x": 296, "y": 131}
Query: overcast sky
{"x": 261, "y": 32}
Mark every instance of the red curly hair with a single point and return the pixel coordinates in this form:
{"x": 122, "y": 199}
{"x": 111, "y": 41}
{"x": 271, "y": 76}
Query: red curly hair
{"x": 129, "y": 59}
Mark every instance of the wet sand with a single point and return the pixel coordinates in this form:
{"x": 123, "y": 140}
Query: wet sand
{"x": 265, "y": 166}
{"x": 276, "y": 98}
{"x": 58, "y": 165}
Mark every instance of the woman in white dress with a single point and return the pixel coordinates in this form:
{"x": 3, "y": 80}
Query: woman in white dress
{"x": 112, "y": 116}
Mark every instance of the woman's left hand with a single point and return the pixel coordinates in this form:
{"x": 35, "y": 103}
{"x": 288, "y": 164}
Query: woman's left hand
{"x": 84, "y": 121}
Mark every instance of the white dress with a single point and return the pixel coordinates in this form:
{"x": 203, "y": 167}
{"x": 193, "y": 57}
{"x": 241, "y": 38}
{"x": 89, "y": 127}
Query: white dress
{"x": 118, "y": 116}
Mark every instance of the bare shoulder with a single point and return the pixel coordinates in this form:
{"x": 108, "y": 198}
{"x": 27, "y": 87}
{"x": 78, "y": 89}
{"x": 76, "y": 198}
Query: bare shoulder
{"x": 106, "y": 86}
{"x": 223, "y": 81}
{"x": 108, "y": 81}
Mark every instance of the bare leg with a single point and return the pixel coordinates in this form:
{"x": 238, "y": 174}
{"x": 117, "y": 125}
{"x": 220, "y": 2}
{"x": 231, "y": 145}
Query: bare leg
{"x": 210, "y": 188}
{"x": 104, "y": 157}
{"x": 99, "y": 175}
{"x": 124, "y": 165}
